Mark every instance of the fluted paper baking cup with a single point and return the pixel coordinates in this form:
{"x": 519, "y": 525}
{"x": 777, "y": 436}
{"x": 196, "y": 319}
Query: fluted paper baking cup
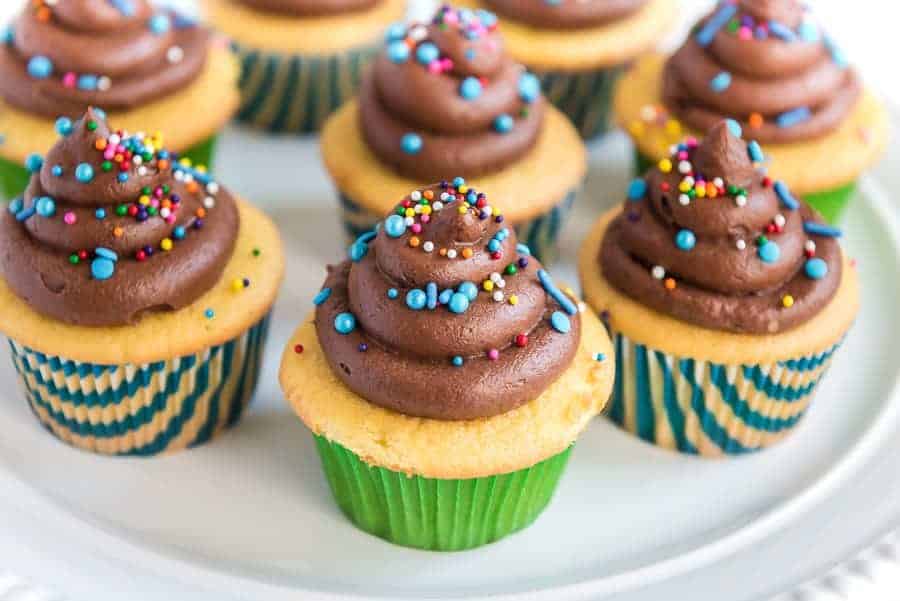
{"x": 145, "y": 409}
{"x": 435, "y": 514}
{"x": 295, "y": 93}
{"x": 584, "y": 96}
{"x": 710, "y": 409}
{"x": 831, "y": 204}
{"x": 541, "y": 233}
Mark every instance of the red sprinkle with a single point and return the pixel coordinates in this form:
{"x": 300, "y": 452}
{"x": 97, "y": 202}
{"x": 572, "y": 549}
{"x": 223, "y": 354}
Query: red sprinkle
{"x": 664, "y": 186}
{"x": 298, "y": 348}
{"x": 521, "y": 340}
{"x": 496, "y": 255}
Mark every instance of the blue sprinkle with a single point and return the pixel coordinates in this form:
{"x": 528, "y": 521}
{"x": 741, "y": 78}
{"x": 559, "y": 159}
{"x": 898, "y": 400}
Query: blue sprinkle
{"x": 523, "y": 249}
{"x": 25, "y": 213}
{"x": 179, "y": 232}
{"x": 503, "y": 123}
{"x": 160, "y": 24}
{"x": 102, "y": 115}
{"x": 470, "y": 88}
{"x": 734, "y": 127}
{"x": 457, "y": 361}
{"x": 184, "y": 21}
{"x": 84, "y": 173}
{"x": 808, "y": 32}
{"x": 721, "y": 82}
{"x": 126, "y": 7}
{"x": 392, "y": 293}
{"x": 550, "y": 288}
{"x": 782, "y": 31}
{"x": 106, "y": 253}
{"x": 102, "y": 268}
{"x": 488, "y": 19}
{"x": 63, "y": 126}
{"x": 34, "y": 162}
{"x": 394, "y": 226}
{"x": 793, "y": 117}
{"x": 8, "y": 36}
{"x": 122, "y": 178}
{"x": 15, "y": 205}
{"x": 87, "y": 82}
{"x": 785, "y": 196}
{"x": 416, "y": 299}
{"x": 560, "y": 322}
{"x": 637, "y": 189}
{"x": 708, "y": 32}
{"x": 600, "y": 357}
{"x": 819, "y": 229}
{"x": 769, "y": 252}
{"x": 395, "y": 32}
{"x": 685, "y": 240}
{"x": 426, "y": 53}
{"x": 459, "y": 302}
{"x": 458, "y": 181}
{"x": 411, "y": 143}
{"x": 398, "y": 52}
{"x": 837, "y": 55}
{"x": 431, "y": 295}
{"x": 40, "y": 67}
{"x": 444, "y": 296}
{"x": 56, "y": 170}
{"x": 755, "y": 152}
{"x": 209, "y": 313}
{"x": 344, "y": 323}
{"x": 469, "y": 54}
{"x": 494, "y": 245}
{"x": 469, "y": 289}
{"x": 322, "y": 296}
{"x": 529, "y": 87}
{"x": 100, "y": 214}
{"x": 45, "y": 206}
{"x": 358, "y": 250}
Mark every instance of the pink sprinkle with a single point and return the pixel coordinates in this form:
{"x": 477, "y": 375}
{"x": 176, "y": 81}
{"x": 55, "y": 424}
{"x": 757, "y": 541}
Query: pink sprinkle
{"x": 69, "y": 80}
{"x": 70, "y": 218}
{"x": 109, "y": 153}
{"x": 425, "y": 218}
{"x": 691, "y": 142}
{"x": 683, "y": 155}
{"x": 450, "y": 18}
{"x": 155, "y": 202}
{"x": 745, "y": 33}
{"x": 434, "y": 67}
{"x": 170, "y": 219}
{"x": 416, "y": 228}
{"x": 493, "y": 354}
{"x": 447, "y": 64}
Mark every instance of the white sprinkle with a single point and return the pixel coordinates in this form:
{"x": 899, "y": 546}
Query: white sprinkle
{"x": 810, "y": 245}
{"x": 498, "y": 296}
{"x": 114, "y": 139}
{"x": 658, "y": 272}
{"x": 684, "y": 199}
{"x": 179, "y": 176}
{"x": 165, "y": 212}
{"x": 212, "y": 188}
{"x": 719, "y": 182}
{"x": 417, "y": 209}
{"x": 582, "y": 307}
{"x": 408, "y": 221}
{"x": 685, "y": 167}
{"x": 142, "y": 170}
{"x": 648, "y": 112}
{"x": 741, "y": 244}
{"x": 104, "y": 83}
{"x": 437, "y": 206}
{"x": 137, "y": 159}
{"x": 175, "y": 54}
{"x": 451, "y": 254}
{"x": 689, "y": 181}
{"x": 487, "y": 209}
{"x": 779, "y": 220}
{"x": 209, "y": 202}
{"x": 188, "y": 177}
{"x": 501, "y": 284}
{"x": 496, "y": 277}
{"x": 740, "y": 200}
{"x": 415, "y": 195}
{"x": 418, "y": 33}
{"x": 445, "y": 196}
{"x": 428, "y": 246}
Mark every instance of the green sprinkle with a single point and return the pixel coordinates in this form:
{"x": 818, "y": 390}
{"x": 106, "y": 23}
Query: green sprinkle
{"x": 733, "y": 25}
{"x": 151, "y": 210}
{"x": 761, "y": 240}
{"x": 122, "y": 210}
{"x": 511, "y": 269}
{"x": 106, "y": 166}
{"x": 92, "y": 125}
{"x": 73, "y": 259}
{"x": 256, "y": 252}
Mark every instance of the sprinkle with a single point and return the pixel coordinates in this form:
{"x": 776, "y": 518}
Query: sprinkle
{"x": 298, "y": 348}
{"x": 24, "y": 213}
{"x": 670, "y": 284}
{"x": 498, "y": 296}
{"x": 102, "y": 268}
{"x": 788, "y": 301}
{"x": 769, "y": 252}
{"x": 411, "y": 143}
{"x": 175, "y": 54}
{"x": 34, "y": 162}
{"x": 40, "y": 67}
{"x": 665, "y": 165}
{"x": 793, "y": 117}
{"x": 740, "y": 200}
{"x": 493, "y": 354}
{"x": 459, "y": 303}
{"x": 470, "y": 88}
{"x": 394, "y": 226}
{"x": 784, "y": 194}
{"x": 84, "y": 173}
{"x": 69, "y": 218}
{"x": 392, "y": 293}
{"x": 523, "y": 249}
{"x": 513, "y": 299}
{"x": 734, "y": 127}
{"x": 815, "y": 268}
{"x": 427, "y": 53}
{"x": 637, "y": 189}
{"x": 431, "y": 295}
{"x": 820, "y": 229}
{"x": 45, "y": 206}
{"x": 555, "y": 293}
{"x": 451, "y": 253}
{"x": 398, "y": 52}
{"x": 503, "y": 123}
{"x": 457, "y": 361}
{"x": 344, "y": 323}
{"x": 529, "y": 87}
{"x": 560, "y": 322}
{"x": 755, "y": 152}
{"x": 721, "y": 82}
{"x": 322, "y": 296}
{"x": 63, "y": 126}
{"x": 469, "y": 289}
{"x": 600, "y": 357}
{"x": 837, "y": 55}
{"x": 708, "y": 32}
{"x": 416, "y": 299}
{"x": 685, "y": 240}
{"x": 521, "y": 340}
{"x": 741, "y": 244}
{"x": 209, "y": 314}
{"x": 782, "y": 31}
{"x": 395, "y": 32}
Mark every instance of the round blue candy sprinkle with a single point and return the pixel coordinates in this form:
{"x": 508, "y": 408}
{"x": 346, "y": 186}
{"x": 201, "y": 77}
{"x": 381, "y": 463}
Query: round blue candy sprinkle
{"x": 179, "y": 232}
{"x": 459, "y": 302}
{"x": 122, "y": 177}
{"x": 503, "y": 123}
{"x": 560, "y": 322}
{"x": 769, "y": 252}
{"x": 395, "y": 32}
{"x": 358, "y": 250}
{"x": 494, "y": 245}
{"x": 685, "y": 239}
{"x": 734, "y": 127}
{"x": 8, "y": 36}
{"x": 101, "y": 114}
{"x": 444, "y": 296}
{"x": 470, "y": 88}
{"x": 394, "y": 226}
{"x": 34, "y": 162}
{"x": 523, "y": 249}
{"x": 160, "y": 24}
{"x": 40, "y": 67}
{"x": 102, "y": 268}
{"x": 87, "y": 82}
{"x": 469, "y": 289}
{"x": 458, "y": 181}
{"x": 721, "y": 82}
{"x": 816, "y": 268}
{"x": 392, "y": 293}
{"x": 457, "y": 361}
{"x": 322, "y": 296}
{"x": 487, "y": 18}
{"x": 416, "y": 299}
{"x": 84, "y": 173}
{"x": 15, "y": 205}
{"x": 209, "y": 314}
{"x": 637, "y": 189}
{"x": 57, "y": 170}
{"x": 411, "y": 143}
{"x": 344, "y": 323}
{"x": 427, "y": 52}
{"x": 529, "y": 87}
{"x": 431, "y": 295}
{"x": 64, "y": 126}
{"x": 398, "y": 52}
{"x": 45, "y": 206}
{"x": 469, "y": 54}
{"x": 106, "y": 253}
{"x": 100, "y": 214}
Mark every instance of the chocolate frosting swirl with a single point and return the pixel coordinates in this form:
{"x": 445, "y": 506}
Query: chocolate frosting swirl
{"x": 63, "y": 57}
{"x": 565, "y": 14}
{"x": 709, "y": 239}
{"x": 112, "y": 227}
{"x": 766, "y": 64}
{"x": 445, "y": 98}
{"x": 310, "y": 8}
{"x": 441, "y": 314}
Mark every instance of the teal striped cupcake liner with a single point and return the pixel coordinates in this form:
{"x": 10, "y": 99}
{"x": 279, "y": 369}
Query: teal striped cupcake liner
{"x": 710, "y": 409}
{"x": 147, "y": 409}
{"x": 584, "y": 97}
{"x": 295, "y": 94}
{"x": 541, "y": 234}
{"x": 437, "y": 514}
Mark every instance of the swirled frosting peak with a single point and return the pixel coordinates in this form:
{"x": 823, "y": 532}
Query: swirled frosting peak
{"x": 440, "y": 313}
{"x": 565, "y": 14}
{"x": 310, "y": 8}
{"x": 113, "y": 226}
{"x": 708, "y": 238}
{"x": 58, "y": 58}
{"x": 444, "y": 98}
{"x": 766, "y": 64}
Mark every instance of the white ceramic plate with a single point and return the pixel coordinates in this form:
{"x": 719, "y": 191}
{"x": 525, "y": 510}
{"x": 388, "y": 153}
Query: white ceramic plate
{"x": 250, "y": 515}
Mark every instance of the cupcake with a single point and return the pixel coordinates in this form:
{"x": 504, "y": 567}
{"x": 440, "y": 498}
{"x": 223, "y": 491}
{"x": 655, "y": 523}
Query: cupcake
{"x": 135, "y": 293}
{"x": 727, "y": 296}
{"x": 148, "y": 68}
{"x": 768, "y": 65}
{"x": 301, "y": 59}
{"x": 579, "y": 49}
{"x": 444, "y": 98}
{"x": 444, "y": 376}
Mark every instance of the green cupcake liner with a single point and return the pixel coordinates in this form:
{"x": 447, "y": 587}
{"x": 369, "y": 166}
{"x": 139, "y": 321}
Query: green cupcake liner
{"x": 435, "y": 514}
{"x": 295, "y": 94}
{"x": 14, "y": 177}
{"x": 585, "y": 97}
{"x": 540, "y": 234}
{"x": 831, "y": 204}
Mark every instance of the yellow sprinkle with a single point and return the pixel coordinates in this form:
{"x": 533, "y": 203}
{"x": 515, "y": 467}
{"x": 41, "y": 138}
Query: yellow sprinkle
{"x": 462, "y": 209}
{"x": 166, "y": 244}
{"x": 200, "y": 168}
{"x": 237, "y": 284}
{"x": 513, "y": 299}
{"x": 426, "y": 210}
{"x": 463, "y": 189}
{"x": 144, "y": 200}
{"x": 673, "y": 127}
{"x": 410, "y": 212}
{"x": 701, "y": 191}
{"x": 665, "y": 165}
{"x": 787, "y": 301}
{"x": 488, "y": 285}
{"x": 684, "y": 187}
{"x": 186, "y": 162}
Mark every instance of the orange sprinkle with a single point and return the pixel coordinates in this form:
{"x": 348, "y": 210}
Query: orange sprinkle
{"x": 193, "y": 187}
{"x": 670, "y": 284}
{"x": 100, "y": 144}
{"x": 43, "y": 14}
{"x": 711, "y": 190}
{"x": 414, "y": 241}
{"x": 443, "y": 252}
{"x": 163, "y": 164}
{"x": 201, "y": 212}
{"x": 467, "y": 253}
{"x": 756, "y": 120}
{"x": 429, "y": 194}
{"x": 166, "y": 204}
{"x": 117, "y": 232}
